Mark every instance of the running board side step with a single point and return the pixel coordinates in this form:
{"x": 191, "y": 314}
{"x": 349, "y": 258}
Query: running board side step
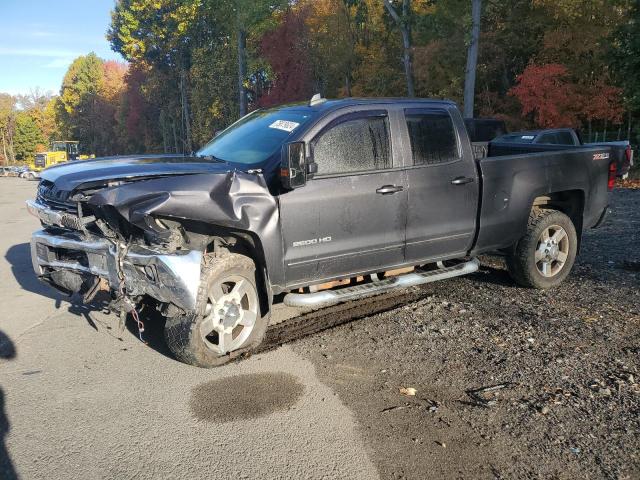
{"x": 326, "y": 298}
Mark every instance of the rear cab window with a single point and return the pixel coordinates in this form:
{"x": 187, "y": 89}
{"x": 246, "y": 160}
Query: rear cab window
{"x": 354, "y": 143}
{"x": 565, "y": 138}
{"x": 433, "y": 136}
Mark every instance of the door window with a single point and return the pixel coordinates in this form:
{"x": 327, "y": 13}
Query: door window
{"x": 433, "y": 137}
{"x": 354, "y": 145}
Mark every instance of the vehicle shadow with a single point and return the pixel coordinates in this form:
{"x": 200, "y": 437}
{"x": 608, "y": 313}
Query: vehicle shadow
{"x": 19, "y": 257}
{"x": 493, "y": 275}
{"x": 7, "y": 471}
{"x": 153, "y": 334}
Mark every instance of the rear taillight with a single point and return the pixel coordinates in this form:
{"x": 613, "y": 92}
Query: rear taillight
{"x": 612, "y": 176}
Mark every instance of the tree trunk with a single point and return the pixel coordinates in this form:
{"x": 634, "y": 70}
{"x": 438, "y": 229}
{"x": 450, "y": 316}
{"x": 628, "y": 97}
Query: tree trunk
{"x": 242, "y": 70}
{"x": 4, "y": 150}
{"x": 472, "y": 60}
{"x": 629, "y": 127}
{"x": 405, "y": 28}
{"x": 604, "y": 134}
{"x": 590, "y": 131}
{"x": 186, "y": 119}
{"x": 175, "y": 136}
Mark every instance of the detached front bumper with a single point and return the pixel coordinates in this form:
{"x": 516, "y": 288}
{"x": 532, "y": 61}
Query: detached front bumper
{"x": 170, "y": 278}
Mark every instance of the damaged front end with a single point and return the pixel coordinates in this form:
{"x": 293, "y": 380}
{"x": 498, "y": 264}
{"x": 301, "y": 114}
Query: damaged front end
{"x": 129, "y": 236}
{"x": 73, "y": 262}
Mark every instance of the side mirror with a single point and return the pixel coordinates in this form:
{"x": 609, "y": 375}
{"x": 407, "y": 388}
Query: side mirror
{"x": 293, "y": 171}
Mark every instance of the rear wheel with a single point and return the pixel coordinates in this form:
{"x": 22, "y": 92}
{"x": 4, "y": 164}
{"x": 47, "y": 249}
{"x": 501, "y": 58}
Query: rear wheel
{"x": 544, "y": 256}
{"x": 228, "y": 320}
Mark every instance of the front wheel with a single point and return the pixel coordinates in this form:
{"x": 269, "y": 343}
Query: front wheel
{"x": 228, "y": 320}
{"x": 544, "y": 256}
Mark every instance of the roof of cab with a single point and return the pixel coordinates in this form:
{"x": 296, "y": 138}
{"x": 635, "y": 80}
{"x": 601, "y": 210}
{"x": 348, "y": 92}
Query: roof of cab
{"x": 335, "y": 104}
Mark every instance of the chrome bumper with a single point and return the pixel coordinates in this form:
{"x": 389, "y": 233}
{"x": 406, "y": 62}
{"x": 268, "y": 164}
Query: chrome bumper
{"x": 168, "y": 278}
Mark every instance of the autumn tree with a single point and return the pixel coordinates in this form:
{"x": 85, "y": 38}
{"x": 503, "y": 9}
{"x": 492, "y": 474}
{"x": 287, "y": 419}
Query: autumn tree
{"x": 158, "y": 34}
{"x": 548, "y": 95}
{"x": 335, "y": 28}
{"x": 287, "y": 50}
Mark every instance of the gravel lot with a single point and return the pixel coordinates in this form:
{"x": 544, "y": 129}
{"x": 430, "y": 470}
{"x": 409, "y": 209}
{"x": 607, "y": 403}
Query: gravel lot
{"x": 565, "y": 363}
{"x": 83, "y": 400}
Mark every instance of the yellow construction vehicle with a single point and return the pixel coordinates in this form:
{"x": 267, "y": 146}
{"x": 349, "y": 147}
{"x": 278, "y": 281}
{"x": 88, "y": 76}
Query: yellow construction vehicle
{"x": 61, "y": 151}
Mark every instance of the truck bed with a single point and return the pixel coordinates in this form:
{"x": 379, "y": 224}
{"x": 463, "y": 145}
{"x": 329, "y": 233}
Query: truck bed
{"x": 511, "y": 183}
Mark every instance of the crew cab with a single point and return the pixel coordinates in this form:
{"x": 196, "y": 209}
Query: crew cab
{"x": 559, "y": 139}
{"x": 291, "y": 198}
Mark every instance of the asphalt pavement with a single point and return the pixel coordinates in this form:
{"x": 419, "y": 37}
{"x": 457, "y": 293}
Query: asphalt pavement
{"x": 81, "y": 399}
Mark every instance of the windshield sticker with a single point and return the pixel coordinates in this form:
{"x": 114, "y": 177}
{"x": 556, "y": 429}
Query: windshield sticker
{"x": 285, "y": 125}
{"x": 528, "y": 137}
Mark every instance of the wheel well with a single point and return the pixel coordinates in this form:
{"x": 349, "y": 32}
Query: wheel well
{"x": 248, "y": 244}
{"x": 570, "y": 202}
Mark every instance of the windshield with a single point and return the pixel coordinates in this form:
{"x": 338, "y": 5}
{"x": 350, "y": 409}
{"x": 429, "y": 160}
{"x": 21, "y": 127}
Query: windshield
{"x": 256, "y": 137}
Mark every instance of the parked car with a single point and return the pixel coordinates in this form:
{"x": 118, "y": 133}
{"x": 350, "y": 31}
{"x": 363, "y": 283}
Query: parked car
{"x": 297, "y": 196}
{"x": 558, "y": 139}
{"x": 5, "y": 171}
{"x": 29, "y": 174}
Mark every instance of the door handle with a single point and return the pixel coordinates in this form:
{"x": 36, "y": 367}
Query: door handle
{"x": 462, "y": 180}
{"x": 389, "y": 189}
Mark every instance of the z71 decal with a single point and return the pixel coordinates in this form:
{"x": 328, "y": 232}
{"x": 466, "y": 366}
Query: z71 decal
{"x": 601, "y": 156}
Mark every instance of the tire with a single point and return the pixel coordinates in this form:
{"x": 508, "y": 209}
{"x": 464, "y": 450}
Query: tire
{"x": 536, "y": 262}
{"x": 228, "y": 302}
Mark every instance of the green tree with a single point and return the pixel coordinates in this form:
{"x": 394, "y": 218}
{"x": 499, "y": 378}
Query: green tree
{"x": 625, "y": 64}
{"x": 7, "y": 124}
{"x": 27, "y": 136}
{"x": 78, "y": 103}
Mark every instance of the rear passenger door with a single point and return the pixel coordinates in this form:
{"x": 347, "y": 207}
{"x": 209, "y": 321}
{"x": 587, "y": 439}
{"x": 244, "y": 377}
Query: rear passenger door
{"x": 443, "y": 186}
{"x": 350, "y": 217}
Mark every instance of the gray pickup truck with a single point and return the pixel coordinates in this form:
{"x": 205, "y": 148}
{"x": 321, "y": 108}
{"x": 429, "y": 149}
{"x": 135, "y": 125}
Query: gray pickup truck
{"x": 289, "y": 199}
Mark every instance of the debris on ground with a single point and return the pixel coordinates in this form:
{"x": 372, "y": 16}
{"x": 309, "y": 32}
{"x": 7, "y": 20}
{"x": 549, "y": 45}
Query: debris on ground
{"x": 480, "y": 396}
{"x": 408, "y": 391}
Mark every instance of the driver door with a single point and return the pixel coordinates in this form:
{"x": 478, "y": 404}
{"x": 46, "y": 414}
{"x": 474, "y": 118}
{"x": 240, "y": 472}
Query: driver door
{"x": 350, "y": 217}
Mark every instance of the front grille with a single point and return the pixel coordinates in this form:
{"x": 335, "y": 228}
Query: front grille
{"x": 41, "y": 160}
{"x": 54, "y": 198}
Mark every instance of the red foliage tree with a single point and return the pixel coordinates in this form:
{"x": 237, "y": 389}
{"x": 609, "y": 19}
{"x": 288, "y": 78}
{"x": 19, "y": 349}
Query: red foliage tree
{"x": 603, "y": 102}
{"x": 287, "y": 50}
{"x": 132, "y": 111}
{"x": 547, "y": 93}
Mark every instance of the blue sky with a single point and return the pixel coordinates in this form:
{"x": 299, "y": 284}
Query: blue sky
{"x": 40, "y": 38}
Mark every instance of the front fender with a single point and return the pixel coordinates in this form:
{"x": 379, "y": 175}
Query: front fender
{"x": 233, "y": 200}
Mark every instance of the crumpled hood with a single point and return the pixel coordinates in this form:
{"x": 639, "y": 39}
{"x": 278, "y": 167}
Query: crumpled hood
{"x": 70, "y": 175}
